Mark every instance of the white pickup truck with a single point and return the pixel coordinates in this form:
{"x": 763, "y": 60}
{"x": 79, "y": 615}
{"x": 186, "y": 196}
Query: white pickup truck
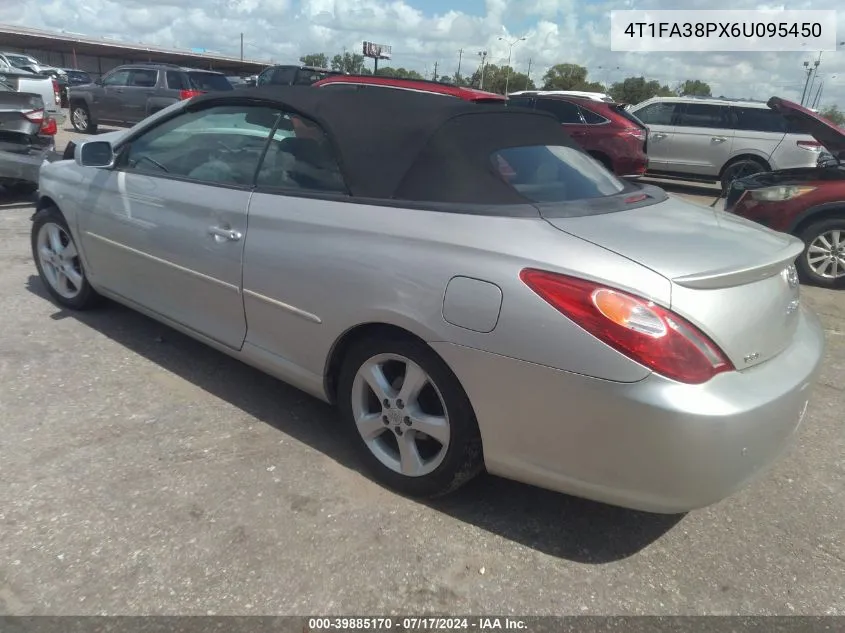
{"x": 47, "y": 87}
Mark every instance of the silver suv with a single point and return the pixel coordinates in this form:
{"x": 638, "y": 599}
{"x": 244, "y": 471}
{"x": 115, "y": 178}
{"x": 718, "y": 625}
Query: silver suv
{"x": 718, "y": 140}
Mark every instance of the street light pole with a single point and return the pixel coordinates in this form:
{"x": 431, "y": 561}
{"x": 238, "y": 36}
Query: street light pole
{"x": 483, "y": 55}
{"x": 510, "y": 51}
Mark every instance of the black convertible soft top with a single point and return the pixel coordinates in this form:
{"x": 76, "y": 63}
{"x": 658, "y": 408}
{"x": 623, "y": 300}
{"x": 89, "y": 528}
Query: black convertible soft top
{"x": 397, "y": 144}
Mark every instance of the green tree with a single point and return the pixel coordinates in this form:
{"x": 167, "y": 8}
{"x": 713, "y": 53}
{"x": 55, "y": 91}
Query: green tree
{"x": 497, "y": 77}
{"x": 834, "y": 115}
{"x": 636, "y": 89}
{"x": 320, "y": 60}
{"x": 351, "y": 63}
{"x": 399, "y": 73}
{"x": 694, "y": 88}
{"x": 565, "y": 77}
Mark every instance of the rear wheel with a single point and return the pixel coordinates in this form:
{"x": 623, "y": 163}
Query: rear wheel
{"x": 80, "y": 119}
{"x": 739, "y": 168}
{"x": 823, "y": 261}
{"x": 411, "y": 420}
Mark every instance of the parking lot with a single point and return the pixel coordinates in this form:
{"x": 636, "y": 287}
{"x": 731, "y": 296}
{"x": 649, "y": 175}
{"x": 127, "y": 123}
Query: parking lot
{"x": 144, "y": 473}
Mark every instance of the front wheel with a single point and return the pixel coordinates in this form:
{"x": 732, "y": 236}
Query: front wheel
{"x": 823, "y": 261}
{"x": 58, "y": 262}
{"x": 739, "y": 169}
{"x": 411, "y": 420}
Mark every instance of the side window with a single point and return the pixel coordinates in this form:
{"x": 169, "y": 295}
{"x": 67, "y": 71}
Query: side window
{"x": 118, "y": 78}
{"x": 757, "y": 120}
{"x": 175, "y": 80}
{"x": 284, "y": 76}
{"x": 220, "y": 145}
{"x": 143, "y": 78}
{"x": 300, "y": 157}
{"x": 264, "y": 77}
{"x": 565, "y": 111}
{"x": 660, "y": 113}
{"x": 703, "y": 115}
{"x": 592, "y": 118}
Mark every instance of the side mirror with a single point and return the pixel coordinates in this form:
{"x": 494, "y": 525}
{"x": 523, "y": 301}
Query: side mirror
{"x": 94, "y": 154}
{"x": 98, "y": 81}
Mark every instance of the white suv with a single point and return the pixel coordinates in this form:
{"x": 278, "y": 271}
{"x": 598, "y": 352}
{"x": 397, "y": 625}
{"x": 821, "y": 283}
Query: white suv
{"x": 718, "y": 140}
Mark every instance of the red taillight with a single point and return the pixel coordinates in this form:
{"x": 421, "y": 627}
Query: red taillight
{"x": 187, "y": 94}
{"x": 637, "y": 133}
{"x": 645, "y": 332}
{"x": 49, "y": 127}
{"x": 57, "y": 92}
{"x": 36, "y": 116}
{"x": 810, "y": 146}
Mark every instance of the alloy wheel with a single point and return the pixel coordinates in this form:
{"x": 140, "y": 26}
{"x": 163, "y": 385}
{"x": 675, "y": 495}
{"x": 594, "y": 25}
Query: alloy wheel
{"x": 826, "y": 254}
{"x": 80, "y": 118}
{"x": 59, "y": 260}
{"x": 400, "y": 414}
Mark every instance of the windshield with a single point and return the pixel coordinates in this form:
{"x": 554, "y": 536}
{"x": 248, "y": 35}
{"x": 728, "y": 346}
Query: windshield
{"x": 209, "y": 82}
{"x": 554, "y": 173}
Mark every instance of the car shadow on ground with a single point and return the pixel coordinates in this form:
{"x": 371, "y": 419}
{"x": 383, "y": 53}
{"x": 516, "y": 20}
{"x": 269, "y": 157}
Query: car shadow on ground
{"x": 555, "y": 524}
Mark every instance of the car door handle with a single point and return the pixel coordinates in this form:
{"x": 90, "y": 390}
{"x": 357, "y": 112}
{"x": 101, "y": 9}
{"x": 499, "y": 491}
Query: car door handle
{"x": 657, "y": 135}
{"x": 718, "y": 139}
{"x": 222, "y": 234}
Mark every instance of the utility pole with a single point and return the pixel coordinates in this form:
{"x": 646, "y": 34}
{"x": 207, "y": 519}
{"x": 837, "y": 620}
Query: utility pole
{"x": 435, "y": 71}
{"x": 242, "y": 46}
{"x": 528, "y": 74}
{"x": 483, "y": 55}
{"x": 814, "y": 75}
{"x": 460, "y": 57}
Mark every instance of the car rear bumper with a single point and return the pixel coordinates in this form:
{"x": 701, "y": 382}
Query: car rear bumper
{"x": 655, "y": 445}
{"x": 23, "y": 166}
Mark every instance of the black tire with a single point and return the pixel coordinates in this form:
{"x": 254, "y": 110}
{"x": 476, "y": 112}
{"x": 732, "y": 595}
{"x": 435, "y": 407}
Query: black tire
{"x": 463, "y": 458}
{"x": 604, "y": 160}
{"x": 740, "y": 167}
{"x": 810, "y": 234}
{"x": 84, "y": 123}
{"x": 22, "y": 188}
{"x": 86, "y": 297}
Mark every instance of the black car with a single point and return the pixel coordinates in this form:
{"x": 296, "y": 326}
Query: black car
{"x": 292, "y": 75}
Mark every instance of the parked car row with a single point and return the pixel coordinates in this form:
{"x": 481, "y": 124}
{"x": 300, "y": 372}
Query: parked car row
{"x": 718, "y": 140}
{"x": 468, "y": 286}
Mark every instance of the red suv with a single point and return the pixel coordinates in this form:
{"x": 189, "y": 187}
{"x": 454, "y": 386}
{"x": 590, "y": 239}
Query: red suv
{"x": 808, "y": 202}
{"x": 604, "y": 129}
{"x": 418, "y": 85}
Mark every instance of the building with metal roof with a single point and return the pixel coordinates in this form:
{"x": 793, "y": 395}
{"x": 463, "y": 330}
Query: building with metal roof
{"x": 97, "y": 56}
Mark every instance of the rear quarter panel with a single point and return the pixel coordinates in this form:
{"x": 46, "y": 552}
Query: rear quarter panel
{"x": 343, "y": 265}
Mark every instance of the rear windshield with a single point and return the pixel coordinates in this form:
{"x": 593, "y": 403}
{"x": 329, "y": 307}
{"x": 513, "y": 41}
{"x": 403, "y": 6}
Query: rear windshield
{"x": 621, "y": 111}
{"x": 554, "y": 173}
{"x": 79, "y": 77}
{"x": 18, "y": 60}
{"x": 208, "y": 82}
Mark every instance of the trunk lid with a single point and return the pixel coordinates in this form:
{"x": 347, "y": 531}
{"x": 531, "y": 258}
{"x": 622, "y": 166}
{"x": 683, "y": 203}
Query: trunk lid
{"x": 730, "y": 277}
{"x": 808, "y": 122}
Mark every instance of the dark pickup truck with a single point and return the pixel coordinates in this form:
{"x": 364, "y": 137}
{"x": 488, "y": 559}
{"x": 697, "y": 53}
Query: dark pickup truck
{"x": 128, "y": 94}
{"x": 27, "y": 135}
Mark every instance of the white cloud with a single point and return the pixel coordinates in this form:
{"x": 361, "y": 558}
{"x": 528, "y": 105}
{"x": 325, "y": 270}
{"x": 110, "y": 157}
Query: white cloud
{"x": 557, "y": 31}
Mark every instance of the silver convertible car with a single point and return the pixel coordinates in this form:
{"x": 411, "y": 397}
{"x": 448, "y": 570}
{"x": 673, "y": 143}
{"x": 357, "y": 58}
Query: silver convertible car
{"x": 469, "y": 288}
